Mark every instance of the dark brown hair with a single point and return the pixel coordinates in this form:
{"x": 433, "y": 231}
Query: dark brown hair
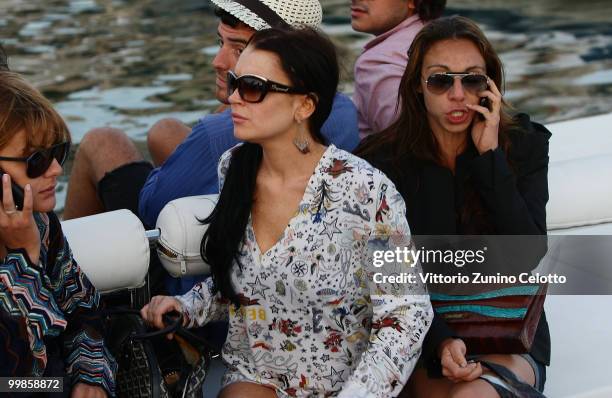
{"x": 429, "y": 9}
{"x": 228, "y": 18}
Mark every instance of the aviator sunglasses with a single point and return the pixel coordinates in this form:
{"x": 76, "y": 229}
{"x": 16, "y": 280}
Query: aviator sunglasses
{"x": 38, "y": 162}
{"x": 439, "y": 83}
{"x": 253, "y": 88}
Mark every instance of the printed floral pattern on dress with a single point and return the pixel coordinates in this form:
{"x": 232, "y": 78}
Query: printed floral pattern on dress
{"x": 313, "y": 322}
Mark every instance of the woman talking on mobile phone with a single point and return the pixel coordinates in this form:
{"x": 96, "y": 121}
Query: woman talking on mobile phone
{"x": 464, "y": 166}
{"x": 47, "y": 323}
{"x": 288, "y": 242}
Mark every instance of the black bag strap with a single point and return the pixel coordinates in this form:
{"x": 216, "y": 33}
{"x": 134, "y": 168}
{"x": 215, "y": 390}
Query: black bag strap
{"x": 174, "y": 320}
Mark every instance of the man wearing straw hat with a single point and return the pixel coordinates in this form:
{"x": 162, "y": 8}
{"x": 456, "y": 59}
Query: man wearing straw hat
{"x": 109, "y": 171}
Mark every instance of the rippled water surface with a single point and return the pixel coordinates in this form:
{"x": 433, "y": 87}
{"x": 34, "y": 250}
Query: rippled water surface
{"x": 128, "y": 63}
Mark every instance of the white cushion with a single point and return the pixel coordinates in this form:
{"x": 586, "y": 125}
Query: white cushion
{"x": 181, "y": 234}
{"x": 580, "y": 192}
{"x": 580, "y": 138}
{"x": 111, "y": 248}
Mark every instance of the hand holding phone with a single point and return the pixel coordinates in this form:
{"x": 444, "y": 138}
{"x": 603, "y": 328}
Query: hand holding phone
{"x": 485, "y": 129}
{"x": 17, "y": 194}
{"x": 19, "y": 230}
{"x": 484, "y": 101}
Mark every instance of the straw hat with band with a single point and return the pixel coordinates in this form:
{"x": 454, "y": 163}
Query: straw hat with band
{"x": 263, "y": 14}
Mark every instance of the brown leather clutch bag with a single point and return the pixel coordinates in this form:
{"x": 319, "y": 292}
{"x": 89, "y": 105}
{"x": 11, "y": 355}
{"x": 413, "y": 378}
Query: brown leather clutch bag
{"x": 499, "y": 321}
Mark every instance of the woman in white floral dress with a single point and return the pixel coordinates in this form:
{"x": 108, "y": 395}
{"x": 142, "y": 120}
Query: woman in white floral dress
{"x": 292, "y": 238}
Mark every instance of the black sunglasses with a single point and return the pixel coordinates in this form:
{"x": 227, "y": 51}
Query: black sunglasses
{"x": 38, "y": 162}
{"x": 439, "y": 83}
{"x": 253, "y": 88}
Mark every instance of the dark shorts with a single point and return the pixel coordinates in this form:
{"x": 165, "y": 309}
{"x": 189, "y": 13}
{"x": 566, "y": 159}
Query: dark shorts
{"x": 540, "y": 372}
{"x": 120, "y": 188}
{"x": 505, "y": 389}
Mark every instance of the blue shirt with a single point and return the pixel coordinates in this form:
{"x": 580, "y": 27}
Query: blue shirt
{"x": 192, "y": 168}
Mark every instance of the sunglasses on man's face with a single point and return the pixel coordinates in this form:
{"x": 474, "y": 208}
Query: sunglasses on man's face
{"x": 40, "y": 161}
{"x": 253, "y": 88}
{"x": 439, "y": 83}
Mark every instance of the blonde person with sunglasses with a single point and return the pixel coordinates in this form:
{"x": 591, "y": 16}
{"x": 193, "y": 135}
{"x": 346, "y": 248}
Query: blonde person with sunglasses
{"x": 466, "y": 166}
{"x": 48, "y": 326}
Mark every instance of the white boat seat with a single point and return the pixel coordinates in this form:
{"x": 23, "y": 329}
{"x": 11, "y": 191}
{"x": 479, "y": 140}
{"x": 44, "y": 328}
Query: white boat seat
{"x": 580, "y": 138}
{"x": 580, "y": 174}
{"x": 111, "y": 248}
{"x": 580, "y": 192}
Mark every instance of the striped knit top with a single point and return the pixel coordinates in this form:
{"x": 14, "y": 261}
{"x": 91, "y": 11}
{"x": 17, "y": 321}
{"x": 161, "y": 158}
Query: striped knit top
{"x": 48, "y": 309}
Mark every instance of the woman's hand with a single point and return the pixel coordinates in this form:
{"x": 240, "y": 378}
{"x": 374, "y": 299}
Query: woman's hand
{"x": 152, "y": 313}
{"x": 17, "y": 227}
{"x": 485, "y": 132}
{"x": 84, "y": 390}
{"x": 454, "y": 365}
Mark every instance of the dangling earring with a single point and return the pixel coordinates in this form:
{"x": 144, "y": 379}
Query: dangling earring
{"x": 301, "y": 140}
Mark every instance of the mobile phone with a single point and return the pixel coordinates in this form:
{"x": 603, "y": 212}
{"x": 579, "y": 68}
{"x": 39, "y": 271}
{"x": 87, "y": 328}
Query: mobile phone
{"x": 17, "y": 194}
{"x": 484, "y": 101}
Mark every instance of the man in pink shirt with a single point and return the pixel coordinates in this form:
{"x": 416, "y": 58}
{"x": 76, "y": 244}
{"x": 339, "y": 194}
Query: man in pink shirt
{"x": 380, "y": 67}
